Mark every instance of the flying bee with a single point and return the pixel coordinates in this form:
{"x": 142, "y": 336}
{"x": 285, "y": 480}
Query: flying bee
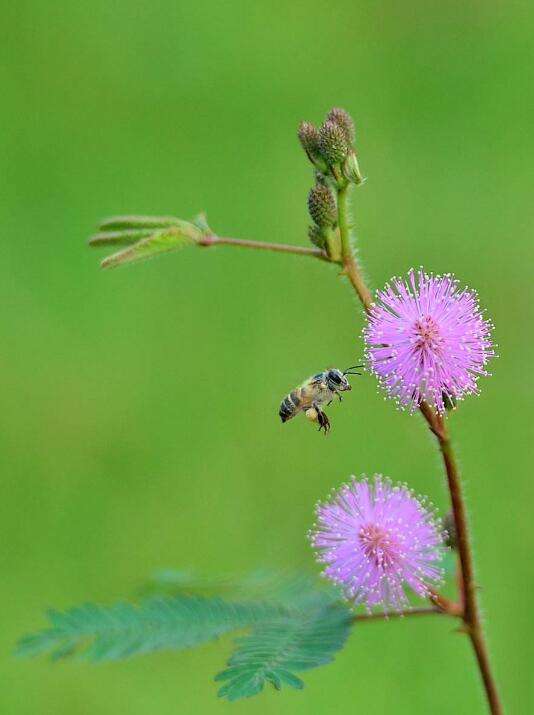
{"x": 315, "y": 392}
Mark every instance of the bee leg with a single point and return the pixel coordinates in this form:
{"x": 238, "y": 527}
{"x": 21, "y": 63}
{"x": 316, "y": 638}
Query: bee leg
{"x": 339, "y": 395}
{"x": 324, "y": 422}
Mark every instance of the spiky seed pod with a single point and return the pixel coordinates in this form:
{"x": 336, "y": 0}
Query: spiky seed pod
{"x": 333, "y": 143}
{"x": 344, "y": 120}
{"x": 317, "y": 236}
{"x": 322, "y": 205}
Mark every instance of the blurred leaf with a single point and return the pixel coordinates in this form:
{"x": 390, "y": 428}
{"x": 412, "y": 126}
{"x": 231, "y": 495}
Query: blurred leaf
{"x": 123, "y": 630}
{"x": 125, "y": 237}
{"x": 301, "y": 630}
{"x": 161, "y": 241}
{"x": 274, "y": 650}
{"x": 120, "y": 223}
{"x": 291, "y": 588}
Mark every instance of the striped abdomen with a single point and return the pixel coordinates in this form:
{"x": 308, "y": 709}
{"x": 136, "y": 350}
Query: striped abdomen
{"x": 291, "y": 405}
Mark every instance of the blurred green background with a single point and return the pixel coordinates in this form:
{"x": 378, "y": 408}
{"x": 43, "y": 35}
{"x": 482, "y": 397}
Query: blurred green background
{"x": 139, "y": 425}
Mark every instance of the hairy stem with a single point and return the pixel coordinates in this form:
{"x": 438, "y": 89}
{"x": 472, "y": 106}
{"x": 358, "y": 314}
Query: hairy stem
{"x": 468, "y": 608}
{"x": 350, "y": 264}
{"x": 471, "y": 610}
{"x": 213, "y": 240}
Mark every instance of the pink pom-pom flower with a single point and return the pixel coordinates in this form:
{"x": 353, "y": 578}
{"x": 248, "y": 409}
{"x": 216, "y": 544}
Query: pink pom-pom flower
{"x": 426, "y": 339}
{"x": 376, "y": 538}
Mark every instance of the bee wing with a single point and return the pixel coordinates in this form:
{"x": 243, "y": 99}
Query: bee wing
{"x": 314, "y": 380}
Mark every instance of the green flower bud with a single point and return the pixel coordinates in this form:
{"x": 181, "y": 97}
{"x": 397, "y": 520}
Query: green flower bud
{"x": 333, "y": 143}
{"x": 317, "y": 236}
{"x": 351, "y": 169}
{"x": 309, "y": 139}
{"x": 344, "y": 120}
{"x": 322, "y": 205}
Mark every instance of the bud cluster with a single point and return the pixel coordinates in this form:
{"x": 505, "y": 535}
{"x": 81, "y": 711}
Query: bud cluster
{"x": 330, "y": 147}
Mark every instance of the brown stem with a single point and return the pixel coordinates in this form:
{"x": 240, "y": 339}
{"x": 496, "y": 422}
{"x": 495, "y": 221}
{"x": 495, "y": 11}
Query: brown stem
{"x": 471, "y": 611}
{"x": 213, "y": 240}
{"x": 468, "y": 608}
{"x": 481, "y": 652}
{"x": 351, "y": 270}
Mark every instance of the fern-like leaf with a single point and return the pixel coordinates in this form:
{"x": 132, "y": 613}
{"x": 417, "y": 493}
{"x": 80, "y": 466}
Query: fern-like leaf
{"x": 123, "y": 630}
{"x": 302, "y": 627}
{"x": 290, "y": 588}
{"x": 274, "y": 651}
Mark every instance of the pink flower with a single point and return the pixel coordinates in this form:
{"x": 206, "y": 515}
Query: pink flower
{"x": 427, "y": 340}
{"x": 374, "y": 538}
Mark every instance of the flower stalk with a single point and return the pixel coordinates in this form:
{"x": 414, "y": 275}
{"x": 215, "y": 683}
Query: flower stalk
{"x": 468, "y": 609}
{"x": 350, "y": 265}
{"x": 213, "y": 240}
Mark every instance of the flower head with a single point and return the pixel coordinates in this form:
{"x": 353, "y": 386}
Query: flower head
{"x": 344, "y": 120}
{"x": 376, "y": 537}
{"x": 427, "y": 340}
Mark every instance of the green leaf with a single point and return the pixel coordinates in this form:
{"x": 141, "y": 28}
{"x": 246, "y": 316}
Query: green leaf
{"x": 121, "y": 238}
{"x": 123, "y": 630}
{"x": 273, "y": 651}
{"x": 120, "y": 223}
{"x": 161, "y": 241}
{"x": 301, "y": 628}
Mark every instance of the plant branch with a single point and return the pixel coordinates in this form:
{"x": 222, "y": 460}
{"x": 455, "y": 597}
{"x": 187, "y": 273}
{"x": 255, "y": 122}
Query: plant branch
{"x": 471, "y": 611}
{"x": 444, "y": 604}
{"x": 468, "y": 608}
{"x": 212, "y": 240}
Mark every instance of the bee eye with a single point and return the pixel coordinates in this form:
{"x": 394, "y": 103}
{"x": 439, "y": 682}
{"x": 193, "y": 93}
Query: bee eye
{"x": 335, "y": 378}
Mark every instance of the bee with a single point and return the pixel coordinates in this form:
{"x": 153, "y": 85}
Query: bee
{"x": 315, "y": 392}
